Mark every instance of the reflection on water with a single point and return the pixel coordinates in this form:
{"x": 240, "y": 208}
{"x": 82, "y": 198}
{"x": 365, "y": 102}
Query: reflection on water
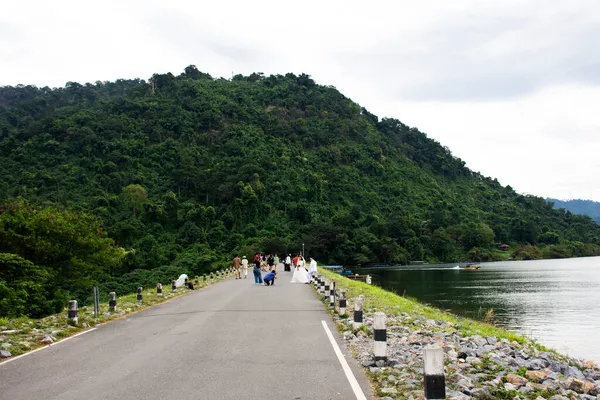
{"x": 554, "y": 301}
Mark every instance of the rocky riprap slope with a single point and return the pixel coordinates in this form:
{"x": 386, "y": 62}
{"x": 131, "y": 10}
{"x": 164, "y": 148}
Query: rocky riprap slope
{"x": 475, "y": 367}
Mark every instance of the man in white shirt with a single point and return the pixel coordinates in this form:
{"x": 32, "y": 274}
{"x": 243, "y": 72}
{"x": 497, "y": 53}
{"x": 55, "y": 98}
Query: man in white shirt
{"x": 245, "y": 267}
{"x": 312, "y": 269}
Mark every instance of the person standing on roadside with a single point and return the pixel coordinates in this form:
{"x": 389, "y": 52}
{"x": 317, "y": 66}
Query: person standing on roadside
{"x": 276, "y": 261}
{"x": 236, "y": 266}
{"x": 312, "y": 269}
{"x": 245, "y": 267}
{"x": 295, "y": 261}
{"x": 287, "y": 265}
{"x": 256, "y": 270}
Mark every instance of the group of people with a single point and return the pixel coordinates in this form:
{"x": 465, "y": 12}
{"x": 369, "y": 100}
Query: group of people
{"x": 270, "y": 263}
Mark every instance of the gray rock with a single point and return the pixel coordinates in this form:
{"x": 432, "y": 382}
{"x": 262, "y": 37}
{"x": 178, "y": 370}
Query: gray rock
{"x": 481, "y": 393}
{"x": 389, "y": 391}
{"x": 10, "y": 332}
{"x": 380, "y": 363}
{"x": 491, "y": 340}
{"x": 454, "y": 395}
{"x": 592, "y": 374}
{"x": 509, "y": 386}
{"x": 5, "y": 354}
{"x": 473, "y": 360}
{"x": 558, "y": 367}
{"x": 525, "y": 390}
{"x": 536, "y": 364}
{"x": 558, "y": 397}
{"x": 367, "y": 363}
{"x": 374, "y": 370}
{"x": 595, "y": 391}
{"x": 465, "y": 383}
{"x": 6, "y": 345}
{"x": 587, "y": 397}
{"x": 573, "y": 371}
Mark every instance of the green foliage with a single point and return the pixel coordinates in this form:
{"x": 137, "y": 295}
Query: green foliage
{"x": 186, "y": 170}
{"x": 49, "y": 254}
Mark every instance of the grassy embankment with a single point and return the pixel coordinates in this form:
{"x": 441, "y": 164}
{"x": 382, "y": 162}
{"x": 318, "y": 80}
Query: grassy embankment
{"x": 29, "y": 332}
{"x": 378, "y": 299}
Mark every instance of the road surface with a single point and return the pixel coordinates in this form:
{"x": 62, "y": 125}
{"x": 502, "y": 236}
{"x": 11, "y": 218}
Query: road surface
{"x": 232, "y": 340}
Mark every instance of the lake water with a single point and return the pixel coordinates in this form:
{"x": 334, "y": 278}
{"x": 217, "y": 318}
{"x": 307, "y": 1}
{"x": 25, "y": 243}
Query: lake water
{"x": 556, "y": 302}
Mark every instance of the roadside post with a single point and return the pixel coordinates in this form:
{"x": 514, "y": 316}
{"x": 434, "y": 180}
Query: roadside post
{"x": 380, "y": 336}
{"x": 435, "y": 382}
{"x": 112, "y": 301}
{"x": 73, "y": 312}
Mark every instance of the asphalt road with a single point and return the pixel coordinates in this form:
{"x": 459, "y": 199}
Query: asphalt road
{"x": 233, "y": 340}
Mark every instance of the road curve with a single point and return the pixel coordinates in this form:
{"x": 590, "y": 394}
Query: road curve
{"x": 233, "y": 340}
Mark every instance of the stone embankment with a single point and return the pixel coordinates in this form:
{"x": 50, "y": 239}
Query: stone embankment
{"x": 475, "y": 367}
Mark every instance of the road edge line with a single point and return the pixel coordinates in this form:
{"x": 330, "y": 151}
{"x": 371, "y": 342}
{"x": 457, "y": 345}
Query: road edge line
{"x": 358, "y": 392}
{"x": 45, "y": 347}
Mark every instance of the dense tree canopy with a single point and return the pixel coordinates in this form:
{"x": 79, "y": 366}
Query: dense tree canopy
{"x": 186, "y": 170}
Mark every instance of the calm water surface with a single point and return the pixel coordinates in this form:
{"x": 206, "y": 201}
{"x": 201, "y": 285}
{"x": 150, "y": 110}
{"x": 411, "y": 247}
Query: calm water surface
{"x": 554, "y": 301}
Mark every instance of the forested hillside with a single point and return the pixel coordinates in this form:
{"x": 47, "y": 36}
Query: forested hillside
{"x": 578, "y": 206}
{"x": 180, "y": 172}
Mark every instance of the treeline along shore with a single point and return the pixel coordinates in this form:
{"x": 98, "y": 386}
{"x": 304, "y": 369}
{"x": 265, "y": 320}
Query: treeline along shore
{"x": 120, "y": 183}
{"x": 481, "y": 361}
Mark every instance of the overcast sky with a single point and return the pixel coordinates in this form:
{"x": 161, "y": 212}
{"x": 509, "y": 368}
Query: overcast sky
{"x": 511, "y": 87}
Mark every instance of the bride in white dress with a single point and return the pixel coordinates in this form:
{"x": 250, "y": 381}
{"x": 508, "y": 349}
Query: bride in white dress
{"x": 300, "y": 273}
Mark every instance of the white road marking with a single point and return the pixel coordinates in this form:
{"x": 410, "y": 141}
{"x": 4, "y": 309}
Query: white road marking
{"x": 351, "y": 378}
{"x": 45, "y": 347}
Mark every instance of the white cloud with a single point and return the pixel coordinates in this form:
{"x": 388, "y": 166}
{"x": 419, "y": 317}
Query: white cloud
{"x": 509, "y": 87}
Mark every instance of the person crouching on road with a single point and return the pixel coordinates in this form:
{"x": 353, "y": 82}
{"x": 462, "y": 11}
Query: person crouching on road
{"x": 270, "y": 278}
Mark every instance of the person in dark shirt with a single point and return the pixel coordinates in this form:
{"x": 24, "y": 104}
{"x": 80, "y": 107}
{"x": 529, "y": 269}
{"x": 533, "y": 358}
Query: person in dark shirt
{"x": 270, "y": 278}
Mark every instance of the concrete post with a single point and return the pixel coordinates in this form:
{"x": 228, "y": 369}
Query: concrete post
{"x": 369, "y": 280}
{"x": 358, "y": 313}
{"x": 435, "y": 382}
{"x": 212, "y": 278}
{"x": 380, "y": 336}
{"x": 140, "y": 294}
{"x": 159, "y": 289}
{"x": 204, "y": 278}
{"x": 196, "y": 280}
{"x": 173, "y": 286}
{"x": 332, "y": 295}
{"x": 112, "y": 301}
{"x": 326, "y": 291}
{"x": 343, "y": 303}
{"x": 73, "y": 312}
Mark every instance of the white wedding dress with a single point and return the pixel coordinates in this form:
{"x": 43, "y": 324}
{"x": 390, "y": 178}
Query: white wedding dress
{"x": 300, "y": 275}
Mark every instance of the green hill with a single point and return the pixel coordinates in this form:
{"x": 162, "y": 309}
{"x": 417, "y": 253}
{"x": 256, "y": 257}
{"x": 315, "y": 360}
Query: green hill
{"x": 578, "y": 206}
{"x": 187, "y": 170}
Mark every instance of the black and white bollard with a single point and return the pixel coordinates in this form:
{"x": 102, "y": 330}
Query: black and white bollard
{"x": 343, "y": 303}
{"x": 112, "y": 301}
{"x": 204, "y": 278}
{"x": 332, "y": 295}
{"x": 369, "y": 280}
{"x": 73, "y": 312}
{"x": 326, "y": 290}
{"x": 212, "y": 278}
{"x": 380, "y": 336}
{"x": 140, "y": 294}
{"x": 196, "y": 280}
{"x": 173, "y": 287}
{"x": 435, "y": 382}
{"x": 159, "y": 289}
{"x": 358, "y": 313}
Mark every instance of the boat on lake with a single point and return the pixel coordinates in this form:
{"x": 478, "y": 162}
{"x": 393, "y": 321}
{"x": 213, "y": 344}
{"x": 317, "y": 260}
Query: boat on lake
{"x": 471, "y": 267}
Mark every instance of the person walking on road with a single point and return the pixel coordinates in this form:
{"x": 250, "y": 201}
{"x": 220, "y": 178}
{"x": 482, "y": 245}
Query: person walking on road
{"x": 245, "y": 267}
{"x": 236, "y": 266}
